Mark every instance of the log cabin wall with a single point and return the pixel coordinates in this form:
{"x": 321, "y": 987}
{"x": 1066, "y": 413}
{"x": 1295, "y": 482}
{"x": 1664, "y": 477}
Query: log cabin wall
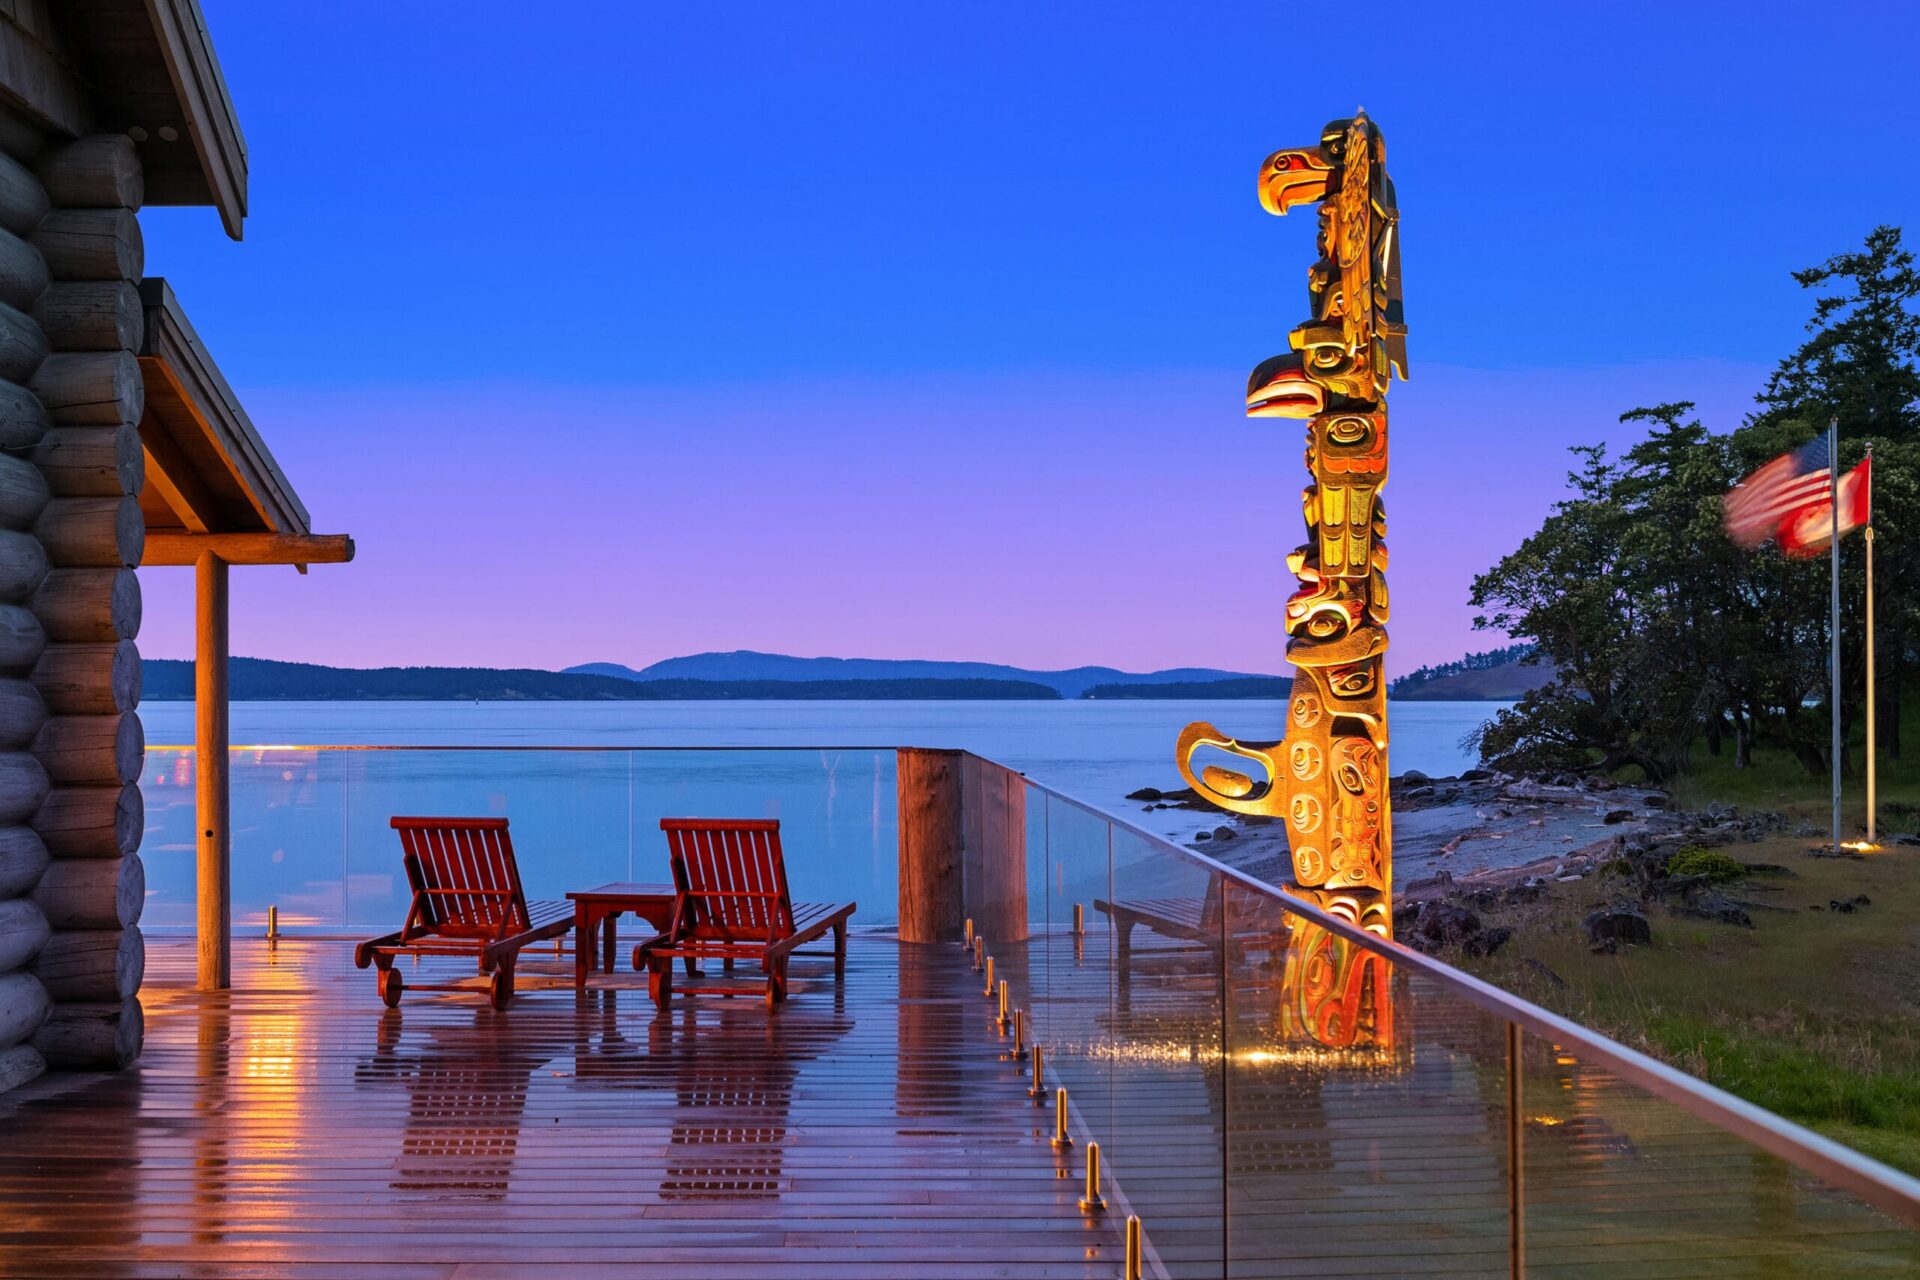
{"x": 71, "y": 532}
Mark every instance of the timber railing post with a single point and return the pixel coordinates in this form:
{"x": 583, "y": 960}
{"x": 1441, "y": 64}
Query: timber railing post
{"x": 213, "y": 863}
{"x": 932, "y": 845}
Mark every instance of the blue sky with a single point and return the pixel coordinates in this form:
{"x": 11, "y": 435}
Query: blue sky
{"x": 763, "y": 263}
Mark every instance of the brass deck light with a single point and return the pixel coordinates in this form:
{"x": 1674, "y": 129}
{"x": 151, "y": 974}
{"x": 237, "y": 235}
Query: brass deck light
{"x": 987, "y": 991}
{"x": 1061, "y": 1138}
{"x": 1134, "y": 1259}
{"x": 979, "y": 951}
{"x": 1005, "y": 1020}
{"x": 1038, "y": 1089}
{"x": 966, "y": 939}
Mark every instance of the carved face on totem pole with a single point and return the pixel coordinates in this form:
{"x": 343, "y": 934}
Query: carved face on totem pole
{"x": 1327, "y": 777}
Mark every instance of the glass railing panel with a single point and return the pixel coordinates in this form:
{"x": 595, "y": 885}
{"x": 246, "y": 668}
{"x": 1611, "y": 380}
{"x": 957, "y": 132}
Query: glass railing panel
{"x": 1072, "y": 1007}
{"x": 311, "y": 834}
{"x": 1367, "y": 1109}
{"x": 1618, "y": 1176}
{"x": 1169, "y": 1099}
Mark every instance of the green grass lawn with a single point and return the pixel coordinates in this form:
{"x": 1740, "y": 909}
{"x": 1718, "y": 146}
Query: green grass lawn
{"x": 1812, "y": 1014}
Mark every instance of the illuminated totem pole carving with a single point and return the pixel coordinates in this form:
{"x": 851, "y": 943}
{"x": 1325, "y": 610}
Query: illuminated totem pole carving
{"x": 1328, "y": 777}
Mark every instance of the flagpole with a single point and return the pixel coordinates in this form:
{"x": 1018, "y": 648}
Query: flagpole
{"x": 1868, "y": 533}
{"x": 1833, "y": 623}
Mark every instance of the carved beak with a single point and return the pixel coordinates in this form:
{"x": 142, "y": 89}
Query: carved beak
{"x": 1289, "y": 179}
{"x": 1279, "y": 388}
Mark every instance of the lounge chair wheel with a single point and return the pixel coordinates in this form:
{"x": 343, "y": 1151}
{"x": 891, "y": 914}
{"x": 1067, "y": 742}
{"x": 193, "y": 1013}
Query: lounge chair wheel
{"x": 500, "y": 988}
{"x": 390, "y": 987}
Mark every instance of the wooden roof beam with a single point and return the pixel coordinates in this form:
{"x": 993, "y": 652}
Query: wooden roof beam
{"x": 297, "y": 549}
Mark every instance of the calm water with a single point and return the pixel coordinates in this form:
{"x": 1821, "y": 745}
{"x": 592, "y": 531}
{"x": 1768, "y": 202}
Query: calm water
{"x": 1097, "y": 751}
{"x": 311, "y": 834}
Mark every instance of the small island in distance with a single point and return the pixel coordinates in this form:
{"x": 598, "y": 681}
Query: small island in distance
{"x": 746, "y": 676}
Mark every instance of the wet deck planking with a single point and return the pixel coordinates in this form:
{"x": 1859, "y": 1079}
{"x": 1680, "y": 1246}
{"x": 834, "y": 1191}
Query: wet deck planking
{"x": 293, "y": 1126}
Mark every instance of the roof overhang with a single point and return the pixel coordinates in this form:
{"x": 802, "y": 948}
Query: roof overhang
{"x": 145, "y": 68}
{"x": 212, "y": 485}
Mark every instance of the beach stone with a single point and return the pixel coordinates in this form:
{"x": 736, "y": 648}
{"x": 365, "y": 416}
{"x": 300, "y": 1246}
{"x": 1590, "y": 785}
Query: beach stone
{"x": 1476, "y": 775}
{"x": 1223, "y": 833}
{"x": 1611, "y": 927}
{"x": 1708, "y": 904}
{"x": 1432, "y": 927}
{"x": 1146, "y": 793}
{"x": 1907, "y": 837}
{"x": 1617, "y": 816}
{"x": 1204, "y": 835}
{"x": 1414, "y": 778}
{"x": 1654, "y": 800}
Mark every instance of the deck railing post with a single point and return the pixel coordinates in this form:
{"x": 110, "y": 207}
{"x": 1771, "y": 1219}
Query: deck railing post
{"x": 932, "y": 845}
{"x": 1516, "y": 1158}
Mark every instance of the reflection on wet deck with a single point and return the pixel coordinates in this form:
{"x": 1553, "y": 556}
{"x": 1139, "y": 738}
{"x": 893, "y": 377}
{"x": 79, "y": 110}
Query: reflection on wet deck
{"x": 297, "y": 1127}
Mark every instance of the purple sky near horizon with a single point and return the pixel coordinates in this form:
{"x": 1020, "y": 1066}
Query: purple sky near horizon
{"x": 775, "y": 343}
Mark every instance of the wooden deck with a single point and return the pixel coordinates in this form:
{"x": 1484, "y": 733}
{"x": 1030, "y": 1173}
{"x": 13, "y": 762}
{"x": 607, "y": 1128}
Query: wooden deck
{"x": 294, "y": 1127}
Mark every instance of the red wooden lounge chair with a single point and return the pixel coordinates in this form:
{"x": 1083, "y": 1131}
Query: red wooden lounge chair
{"x": 731, "y": 904}
{"x": 466, "y": 902}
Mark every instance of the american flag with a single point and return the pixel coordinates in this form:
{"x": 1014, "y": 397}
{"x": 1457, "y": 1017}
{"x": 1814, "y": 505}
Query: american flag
{"x": 1784, "y": 487}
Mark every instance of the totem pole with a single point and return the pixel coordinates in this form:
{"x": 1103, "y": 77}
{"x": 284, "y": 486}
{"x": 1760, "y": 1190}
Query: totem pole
{"x": 1328, "y": 777}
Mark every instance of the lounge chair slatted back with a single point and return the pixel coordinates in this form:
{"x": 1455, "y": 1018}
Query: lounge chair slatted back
{"x": 734, "y": 877}
{"x": 467, "y": 900}
{"x": 464, "y": 872}
{"x": 731, "y": 904}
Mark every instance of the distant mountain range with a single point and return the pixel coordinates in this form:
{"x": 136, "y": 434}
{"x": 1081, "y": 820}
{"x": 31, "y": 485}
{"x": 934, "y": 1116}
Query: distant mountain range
{"x": 770, "y": 677}
{"x": 744, "y": 664}
{"x": 260, "y": 680}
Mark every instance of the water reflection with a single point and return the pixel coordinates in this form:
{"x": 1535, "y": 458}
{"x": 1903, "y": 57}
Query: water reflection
{"x": 466, "y": 1082}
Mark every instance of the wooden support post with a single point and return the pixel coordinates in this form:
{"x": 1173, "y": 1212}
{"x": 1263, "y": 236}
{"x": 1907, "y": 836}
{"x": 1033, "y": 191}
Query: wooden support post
{"x": 210, "y": 749}
{"x": 932, "y": 907}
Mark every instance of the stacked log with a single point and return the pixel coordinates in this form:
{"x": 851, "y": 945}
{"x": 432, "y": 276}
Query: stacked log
{"x": 24, "y": 784}
{"x": 71, "y": 532}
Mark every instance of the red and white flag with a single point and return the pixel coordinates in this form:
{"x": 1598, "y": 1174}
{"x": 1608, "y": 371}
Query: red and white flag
{"x": 1777, "y": 493}
{"x": 1811, "y": 530}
